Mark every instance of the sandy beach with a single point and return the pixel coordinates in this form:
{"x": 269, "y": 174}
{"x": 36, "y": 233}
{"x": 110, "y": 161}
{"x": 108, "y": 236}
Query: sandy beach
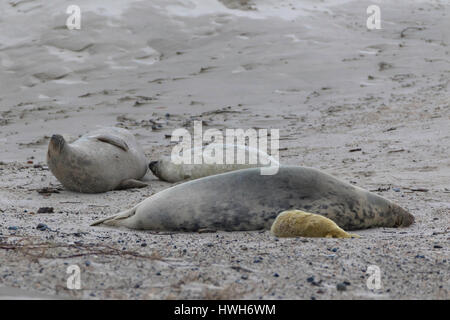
{"x": 371, "y": 107}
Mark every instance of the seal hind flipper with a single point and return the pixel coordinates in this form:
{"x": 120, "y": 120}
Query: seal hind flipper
{"x": 115, "y": 141}
{"x": 131, "y": 183}
{"x": 115, "y": 220}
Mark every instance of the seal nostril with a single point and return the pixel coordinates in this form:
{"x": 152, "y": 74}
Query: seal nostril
{"x": 152, "y": 164}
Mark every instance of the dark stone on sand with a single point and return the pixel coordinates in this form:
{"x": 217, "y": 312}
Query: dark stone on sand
{"x": 42, "y": 227}
{"x": 341, "y": 287}
{"x": 45, "y": 210}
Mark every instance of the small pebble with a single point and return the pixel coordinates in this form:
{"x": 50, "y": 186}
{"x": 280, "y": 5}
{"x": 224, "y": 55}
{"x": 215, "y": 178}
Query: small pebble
{"x": 42, "y": 227}
{"x": 45, "y": 210}
{"x": 341, "y": 287}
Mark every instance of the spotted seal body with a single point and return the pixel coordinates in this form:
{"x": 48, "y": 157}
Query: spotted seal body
{"x": 103, "y": 160}
{"x": 247, "y": 200}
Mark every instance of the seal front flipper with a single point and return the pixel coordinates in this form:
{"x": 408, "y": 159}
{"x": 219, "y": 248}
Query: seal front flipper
{"x": 131, "y": 183}
{"x": 115, "y": 141}
{"x": 115, "y": 220}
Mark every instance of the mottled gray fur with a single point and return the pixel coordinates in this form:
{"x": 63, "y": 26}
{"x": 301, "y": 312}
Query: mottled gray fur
{"x": 247, "y": 200}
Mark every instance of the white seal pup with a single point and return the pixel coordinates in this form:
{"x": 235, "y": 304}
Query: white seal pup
{"x": 247, "y": 200}
{"x": 174, "y": 168}
{"x": 106, "y": 159}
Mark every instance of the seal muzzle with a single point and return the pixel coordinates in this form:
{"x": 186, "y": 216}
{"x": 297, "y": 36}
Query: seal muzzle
{"x": 153, "y": 166}
{"x": 403, "y": 217}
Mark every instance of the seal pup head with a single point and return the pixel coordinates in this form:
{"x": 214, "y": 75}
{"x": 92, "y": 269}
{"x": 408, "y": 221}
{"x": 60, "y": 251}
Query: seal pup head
{"x": 168, "y": 171}
{"x": 154, "y": 167}
{"x": 160, "y": 169}
{"x": 297, "y": 223}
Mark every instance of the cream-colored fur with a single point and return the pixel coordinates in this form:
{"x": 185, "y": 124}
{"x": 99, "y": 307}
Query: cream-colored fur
{"x": 296, "y": 223}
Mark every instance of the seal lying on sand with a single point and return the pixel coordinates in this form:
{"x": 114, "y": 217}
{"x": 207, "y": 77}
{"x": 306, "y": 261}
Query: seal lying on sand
{"x": 103, "y": 160}
{"x": 247, "y": 200}
{"x": 297, "y": 223}
{"x": 172, "y": 169}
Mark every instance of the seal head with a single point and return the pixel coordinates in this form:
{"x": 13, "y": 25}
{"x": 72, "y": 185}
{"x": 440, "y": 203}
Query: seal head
{"x": 154, "y": 167}
{"x": 402, "y": 217}
{"x": 56, "y": 145}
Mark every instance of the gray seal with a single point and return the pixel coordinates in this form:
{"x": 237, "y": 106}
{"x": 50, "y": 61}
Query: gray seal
{"x": 106, "y": 159}
{"x": 246, "y": 200}
{"x": 172, "y": 169}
